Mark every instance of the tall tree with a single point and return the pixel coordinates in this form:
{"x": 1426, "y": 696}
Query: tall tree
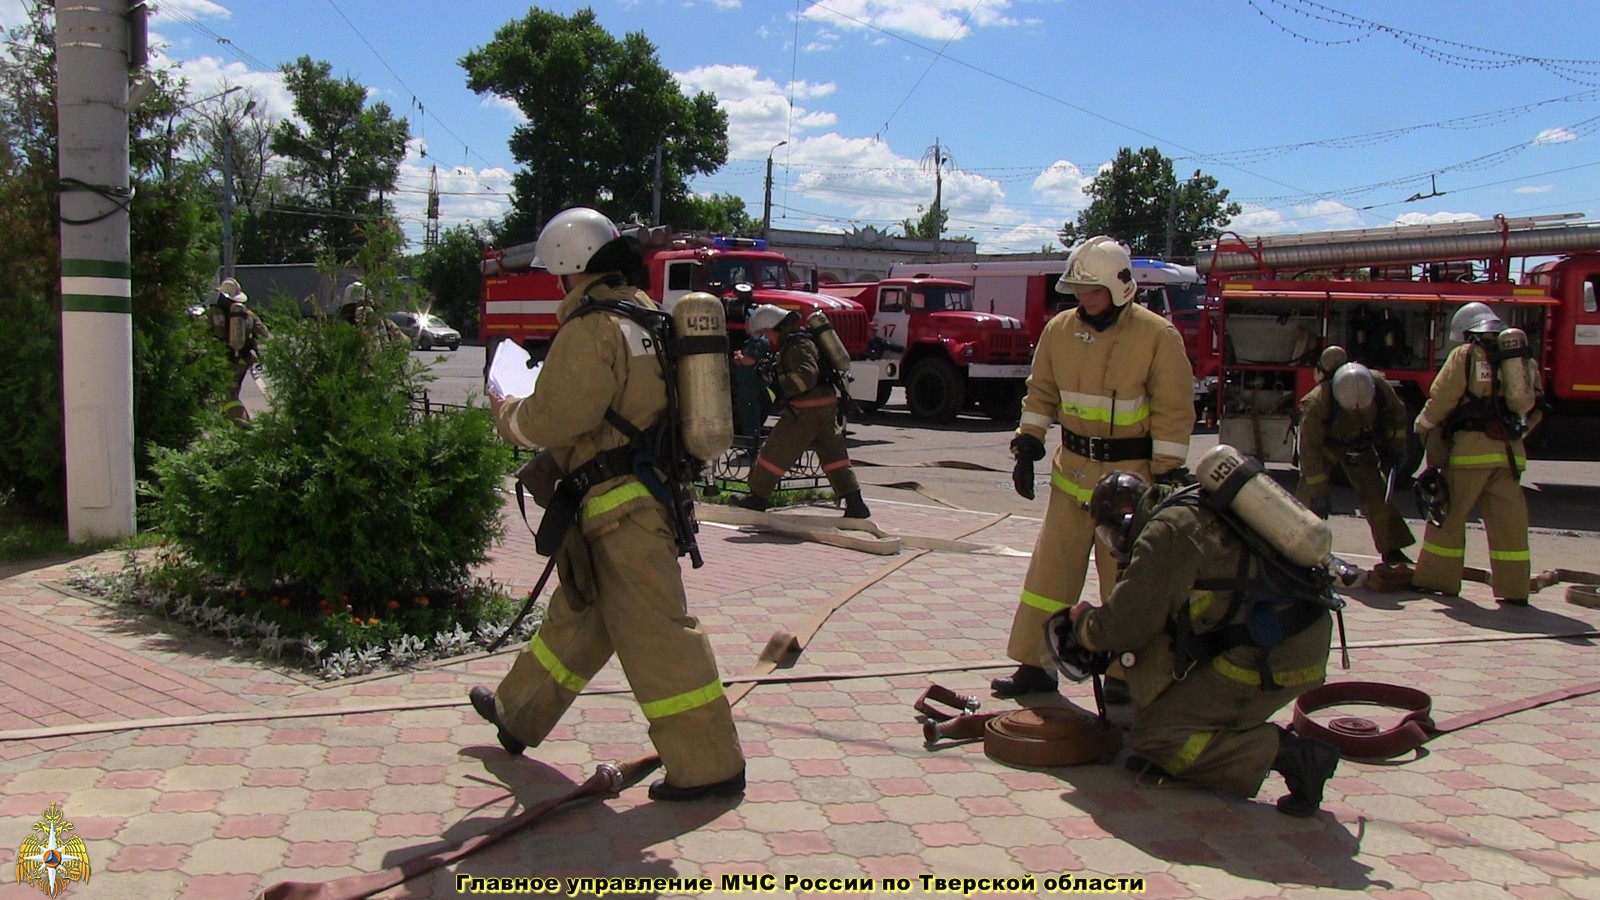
{"x": 719, "y": 213}
{"x": 339, "y": 164}
{"x": 598, "y": 109}
{"x": 924, "y": 228}
{"x": 1139, "y": 201}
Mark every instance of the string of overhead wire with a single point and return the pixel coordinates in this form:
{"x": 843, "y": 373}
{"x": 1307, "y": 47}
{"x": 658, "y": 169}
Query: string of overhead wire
{"x": 1448, "y": 52}
{"x": 938, "y": 55}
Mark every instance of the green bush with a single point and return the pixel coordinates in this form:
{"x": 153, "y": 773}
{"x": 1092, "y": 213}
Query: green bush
{"x": 338, "y": 492}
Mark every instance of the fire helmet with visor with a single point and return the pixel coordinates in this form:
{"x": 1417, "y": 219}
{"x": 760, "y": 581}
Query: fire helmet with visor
{"x": 1354, "y": 387}
{"x": 571, "y": 238}
{"x": 1473, "y": 319}
{"x": 766, "y": 317}
{"x": 1100, "y": 262}
{"x": 1112, "y": 506}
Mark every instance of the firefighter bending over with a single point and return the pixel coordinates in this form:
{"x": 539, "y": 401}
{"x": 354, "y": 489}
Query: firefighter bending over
{"x": 1116, "y": 377}
{"x": 809, "y": 416}
{"x": 1187, "y": 619}
{"x": 1354, "y": 420}
{"x": 1482, "y": 403}
{"x": 601, "y": 394}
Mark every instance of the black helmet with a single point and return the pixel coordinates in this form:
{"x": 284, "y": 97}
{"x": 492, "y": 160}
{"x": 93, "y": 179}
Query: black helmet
{"x": 1116, "y": 496}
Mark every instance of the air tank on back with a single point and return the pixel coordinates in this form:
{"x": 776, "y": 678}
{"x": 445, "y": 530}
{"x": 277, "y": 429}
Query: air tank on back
{"x": 705, "y": 403}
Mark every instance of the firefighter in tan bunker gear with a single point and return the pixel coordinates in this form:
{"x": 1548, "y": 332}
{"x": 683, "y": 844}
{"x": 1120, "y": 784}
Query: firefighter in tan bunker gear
{"x": 1203, "y": 688}
{"x": 1474, "y": 436}
{"x": 1116, "y": 377}
{"x": 621, "y": 590}
{"x": 241, "y": 331}
{"x": 808, "y": 415}
{"x": 1355, "y": 421}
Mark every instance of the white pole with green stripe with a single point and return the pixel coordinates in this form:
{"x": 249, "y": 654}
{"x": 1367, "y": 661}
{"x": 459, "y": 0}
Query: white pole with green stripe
{"x": 96, "y": 297}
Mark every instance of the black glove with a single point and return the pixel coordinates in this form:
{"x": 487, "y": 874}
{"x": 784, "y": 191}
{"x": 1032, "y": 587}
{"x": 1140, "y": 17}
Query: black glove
{"x": 1027, "y": 449}
{"x": 1323, "y": 507}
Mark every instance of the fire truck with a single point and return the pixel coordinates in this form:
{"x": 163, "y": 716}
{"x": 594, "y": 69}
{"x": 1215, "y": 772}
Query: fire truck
{"x": 519, "y": 298}
{"x": 1026, "y": 290}
{"x": 946, "y": 354}
{"x": 1387, "y": 296}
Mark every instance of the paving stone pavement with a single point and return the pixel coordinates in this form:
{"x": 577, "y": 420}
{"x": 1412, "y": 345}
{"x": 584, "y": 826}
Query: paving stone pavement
{"x": 840, "y": 784}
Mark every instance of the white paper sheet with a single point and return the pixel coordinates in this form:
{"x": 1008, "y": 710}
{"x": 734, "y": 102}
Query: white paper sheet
{"x": 509, "y": 374}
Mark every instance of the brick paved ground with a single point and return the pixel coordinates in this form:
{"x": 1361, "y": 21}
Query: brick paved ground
{"x": 840, "y": 784}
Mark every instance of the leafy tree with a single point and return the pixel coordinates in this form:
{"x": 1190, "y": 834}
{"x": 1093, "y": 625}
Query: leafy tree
{"x": 449, "y": 272}
{"x": 923, "y": 229}
{"x": 718, "y": 213}
{"x": 338, "y": 166}
{"x": 1138, "y": 199}
{"x": 176, "y": 366}
{"x": 597, "y": 109}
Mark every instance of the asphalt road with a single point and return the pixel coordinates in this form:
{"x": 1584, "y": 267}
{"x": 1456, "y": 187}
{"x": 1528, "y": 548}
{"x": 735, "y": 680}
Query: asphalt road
{"x": 967, "y": 464}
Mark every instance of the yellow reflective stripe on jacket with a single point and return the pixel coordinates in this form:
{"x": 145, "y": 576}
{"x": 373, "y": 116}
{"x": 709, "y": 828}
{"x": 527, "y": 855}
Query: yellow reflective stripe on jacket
{"x": 1510, "y": 555}
{"x": 1316, "y": 479}
{"x": 1436, "y": 550}
{"x": 1067, "y": 486}
{"x": 671, "y": 706}
{"x": 1487, "y": 459}
{"x": 1095, "y": 408}
{"x": 614, "y": 498}
{"x": 1291, "y": 678}
{"x": 1042, "y": 603}
{"x": 552, "y": 664}
{"x": 1199, "y": 602}
{"x": 1189, "y": 752}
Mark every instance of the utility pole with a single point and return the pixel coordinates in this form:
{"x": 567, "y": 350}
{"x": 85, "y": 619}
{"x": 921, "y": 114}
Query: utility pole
{"x": 655, "y": 195}
{"x": 766, "y": 203}
{"x": 430, "y": 237}
{"x": 937, "y": 156}
{"x": 93, "y": 57}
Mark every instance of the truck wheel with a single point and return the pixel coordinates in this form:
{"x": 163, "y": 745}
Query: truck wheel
{"x": 936, "y": 391}
{"x": 1002, "y": 401}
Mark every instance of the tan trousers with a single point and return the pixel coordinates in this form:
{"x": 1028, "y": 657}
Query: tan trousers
{"x": 1388, "y": 527}
{"x": 640, "y": 614}
{"x": 1505, "y": 519}
{"x": 796, "y": 430}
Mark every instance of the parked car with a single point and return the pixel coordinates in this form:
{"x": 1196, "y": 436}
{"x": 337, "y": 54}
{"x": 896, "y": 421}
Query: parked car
{"x": 426, "y": 330}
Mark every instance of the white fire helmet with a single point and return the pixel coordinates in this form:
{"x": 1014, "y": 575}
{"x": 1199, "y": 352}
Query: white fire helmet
{"x": 1353, "y": 387}
{"x": 764, "y": 317}
{"x": 571, "y": 238}
{"x": 1101, "y": 262}
{"x": 356, "y": 293}
{"x": 1474, "y": 318}
{"x": 230, "y": 288}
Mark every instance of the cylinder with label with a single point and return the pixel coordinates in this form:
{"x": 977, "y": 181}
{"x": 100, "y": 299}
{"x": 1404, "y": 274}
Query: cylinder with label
{"x": 1517, "y": 371}
{"x": 705, "y": 402}
{"x": 828, "y": 340}
{"x": 1264, "y": 505}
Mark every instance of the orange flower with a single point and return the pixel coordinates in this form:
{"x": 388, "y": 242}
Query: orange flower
{"x": 394, "y": 604}
{"x": 323, "y": 603}
{"x": 283, "y": 601}
{"x": 373, "y": 620}
{"x": 422, "y": 601}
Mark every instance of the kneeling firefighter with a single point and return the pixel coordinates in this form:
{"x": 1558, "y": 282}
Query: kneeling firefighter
{"x": 612, "y": 470}
{"x": 1216, "y": 628}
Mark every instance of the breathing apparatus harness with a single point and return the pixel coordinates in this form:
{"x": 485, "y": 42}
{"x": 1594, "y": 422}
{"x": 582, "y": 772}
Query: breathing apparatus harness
{"x": 827, "y": 372}
{"x": 1280, "y": 601}
{"x": 654, "y": 455}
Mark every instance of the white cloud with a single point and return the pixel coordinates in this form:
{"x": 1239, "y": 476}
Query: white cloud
{"x": 941, "y": 20}
{"x": 465, "y": 194}
{"x": 1321, "y": 215}
{"x": 1436, "y": 218}
{"x": 505, "y": 106}
{"x": 1534, "y": 189}
{"x": 1555, "y": 136}
{"x": 1063, "y": 183}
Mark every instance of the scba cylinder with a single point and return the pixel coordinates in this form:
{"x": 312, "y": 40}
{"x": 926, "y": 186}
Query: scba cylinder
{"x": 705, "y": 404}
{"x": 1269, "y": 510}
{"x": 1517, "y": 371}
{"x": 828, "y": 340}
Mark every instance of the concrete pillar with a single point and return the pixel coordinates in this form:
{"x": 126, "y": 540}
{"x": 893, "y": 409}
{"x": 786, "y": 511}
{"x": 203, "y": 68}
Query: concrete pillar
{"x": 96, "y": 305}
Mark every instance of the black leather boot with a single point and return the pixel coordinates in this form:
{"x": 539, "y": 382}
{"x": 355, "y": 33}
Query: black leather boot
{"x": 1025, "y": 680}
{"x": 855, "y": 507}
{"x": 483, "y": 701}
{"x": 1306, "y": 764}
{"x": 752, "y": 501}
{"x": 728, "y": 787}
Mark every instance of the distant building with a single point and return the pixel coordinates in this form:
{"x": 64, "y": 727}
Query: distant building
{"x": 864, "y": 254}
{"x": 295, "y": 284}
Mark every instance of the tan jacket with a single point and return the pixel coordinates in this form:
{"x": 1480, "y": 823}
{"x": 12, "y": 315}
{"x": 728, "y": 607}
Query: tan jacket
{"x": 596, "y": 362}
{"x": 799, "y": 372}
{"x": 1467, "y": 373}
{"x": 1327, "y": 431}
{"x": 1179, "y": 546}
{"x": 1131, "y": 380}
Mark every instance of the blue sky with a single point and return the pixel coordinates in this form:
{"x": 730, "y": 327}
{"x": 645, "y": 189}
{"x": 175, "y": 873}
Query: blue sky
{"x": 1313, "y": 114}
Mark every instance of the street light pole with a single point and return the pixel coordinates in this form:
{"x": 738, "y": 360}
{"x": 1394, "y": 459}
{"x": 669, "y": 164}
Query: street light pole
{"x": 766, "y": 203}
{"x": 227, "y": 193}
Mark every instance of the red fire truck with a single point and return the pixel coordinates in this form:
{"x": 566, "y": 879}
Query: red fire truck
{"x": 930, "y": 339}
{"x": 518, "y": 298}
{"x": 1387, "y": 296}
